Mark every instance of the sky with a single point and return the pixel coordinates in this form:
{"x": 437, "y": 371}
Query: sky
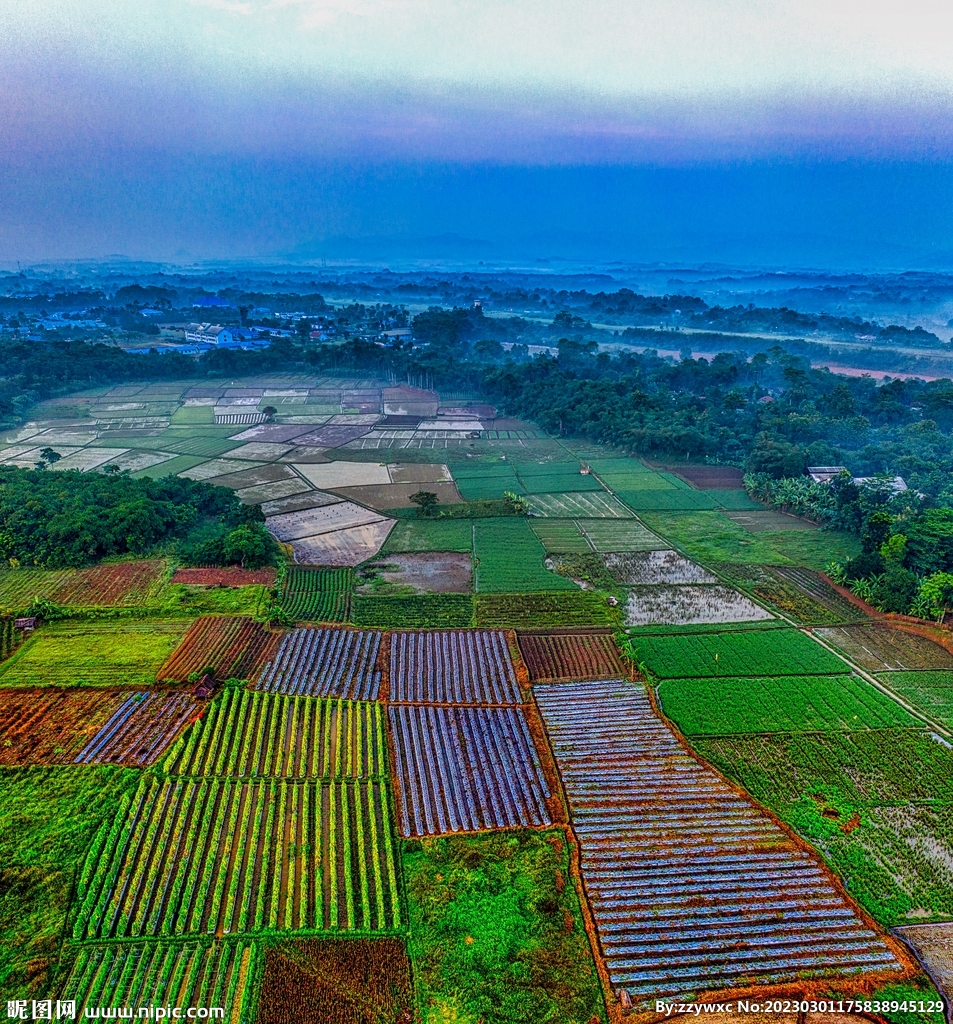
{"x": 737, "y": 130}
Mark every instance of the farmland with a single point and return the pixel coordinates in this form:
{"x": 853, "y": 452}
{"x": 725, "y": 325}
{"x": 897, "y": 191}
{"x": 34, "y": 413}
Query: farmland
{"x": 249, "y": 734}
{"x": 157, "y": 973}
{"x": 452, "y": 667}
{"x": 753, "y": 652}
{"x": 317, "y": 594}
{"x": 324, "y": 663}
{"x": 554, "y": 658}
{"x": 224, "y": 647}
{"x": 88, "y": 653}
{"x": 334, "y": 981}
{"x": 688, "y": 841}
{"x": 714, "y": 707}
{"x": 462, "y": 769}
{"x": 424, "y": 782}
{"x": 225, "y": 856}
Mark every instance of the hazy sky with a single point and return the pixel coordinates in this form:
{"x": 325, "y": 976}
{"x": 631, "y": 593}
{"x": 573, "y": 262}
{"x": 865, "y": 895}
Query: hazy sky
{"x": 677, "y": 128}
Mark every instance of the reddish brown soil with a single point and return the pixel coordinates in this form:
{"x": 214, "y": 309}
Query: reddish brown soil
{"x": 231, "y": 577}
{"x": 558, "y": 657}
{"x": 229, "y": 647}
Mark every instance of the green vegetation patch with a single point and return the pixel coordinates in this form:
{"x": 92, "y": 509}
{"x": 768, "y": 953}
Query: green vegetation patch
{"x": 171, "y": 467}
{"x": 183, "y": 599}
{"x": 667, "y": 500}
{"x": 89, "y": 653}
{"x": 429, "y": 535}
{"x": 529, "y": 611}
{"x": 712, "y": 537}
{"x": 754, "y": 652}
{"x": 497, "y": 934}
{"x": 717, "y": 707}
{"x": 416, "y": 611}
{"x": 555, "y": 477}
{"x": 483, "y": 481}
{"x": 561, "y": 536}
{"x": 20, "y": 587}
{"x": 509, "y": 557}
{"x": 207, "y": 447}
{"x": 194, "y": 415}
{"x": 877, "y": 804}
{"x": 931, "y": 692}
{"x": 620, "y": 535}
{"x": 736, "y": 501}
{"x": 48, "y": 820}
{"x": 318, "y": 595}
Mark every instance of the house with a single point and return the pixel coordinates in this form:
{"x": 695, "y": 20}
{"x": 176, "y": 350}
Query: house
{"x": 897, "y": 484}
{"x": 26, "y": 624}
{"x": 824, "y": 474}
{"x": 398, "y": 334}
{"x": 209, "y": 334}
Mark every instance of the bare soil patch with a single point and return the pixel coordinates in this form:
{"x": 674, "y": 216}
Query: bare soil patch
{"x": 430, "y": 572}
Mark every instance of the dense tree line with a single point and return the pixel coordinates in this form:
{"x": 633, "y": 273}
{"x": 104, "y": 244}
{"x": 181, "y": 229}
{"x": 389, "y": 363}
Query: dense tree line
{"x": 65, "y": 519}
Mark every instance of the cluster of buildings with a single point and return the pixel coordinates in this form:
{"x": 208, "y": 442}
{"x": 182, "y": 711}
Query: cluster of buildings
{"x": 825, "y": 474}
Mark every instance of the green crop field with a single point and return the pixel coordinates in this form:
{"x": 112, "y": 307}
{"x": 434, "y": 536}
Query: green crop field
{"x": 497, "y": 934}
{"x": 672, "y": 499}
{"x": 509, "y": 558}
{"x": 88, "y": 653}
{"x": 554, "y": 477}
{"x": 533, "y": 611}
{"x": 429, "y": 535}
{"x": 220, "y": 855}
{"x": 561, "y": 536}
{"x": 189, "y": 974}
{"x": 416, "y": 611}
{"x": 721, "y": 707}
{"x": 193, "y": 415}
{"x": 317, "y": 595}
{"x": 170, "y": 467}
{"x": 20, "y": 587}
{"x": 207, "y": 447}
{"x": 49, "y": 817}
{"x": 712, "y": 537}
{"x": 931, "y": 692}
{"x": 485, "y": 480}
{"x": 753, "y": 652}
{"x": 620, "y": 535}
{"x": 886, "y": 827}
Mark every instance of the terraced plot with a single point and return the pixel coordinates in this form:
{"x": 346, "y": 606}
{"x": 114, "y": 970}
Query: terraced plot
{"x": 134, "y": 974}
{"x": 608, "y": 535}
{"x": 539, "y": 611}
{"x": 223, "y": 856}
{"x": 462, "y": 769}
{"x": 555, "y": 657}
{"x": 265, "y": 735}
{"x": 655, "y": 567}
{"x": 693, "y": 888}
{"x": 453, "y": 667}
{"x": 882, "y": 649}
{"x": 140, "y": 730}
{"x": 931, "y": 692}
{"x": 324, "y": 663}
{"x": 228, "y": 647}
{"x": 48, "y": 728}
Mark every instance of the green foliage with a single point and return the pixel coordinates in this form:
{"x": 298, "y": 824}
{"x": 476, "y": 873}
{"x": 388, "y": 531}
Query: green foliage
{"x": 71, "y": 519}
{"x": 49, "y": 819}
{"x": 755, "y": 652}
{"x": 877, "y": 804}
{"x": 717, "y": 707}
{"x": 85, "y": 653}
{"x": 509, "y": 558}
{"x": 416, "y": 611}
{"x": 426, "y": 502}
{"x": 930, "y": 691}
{"x": 560, "y": 536}
{"x": 436, "y": 535}
{"x": 531, "y": 611}
{"x": 319, "y": 595}
{"x": 497, "y": 933}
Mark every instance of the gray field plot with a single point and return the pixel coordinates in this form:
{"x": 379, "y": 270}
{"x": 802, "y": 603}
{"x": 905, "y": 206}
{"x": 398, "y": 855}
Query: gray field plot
{"x": 324, "y": 663}
{"x": 464, "y": 769}
{"x": 607, "y": 535}
{"x": 453, "y": 667}
{"x": 650, "y": 567}
{"x": 882, "y": 649}
{"x": 580, "y": 505}
{"x": 693, "y": 888}
{"x": 689, "y": 604}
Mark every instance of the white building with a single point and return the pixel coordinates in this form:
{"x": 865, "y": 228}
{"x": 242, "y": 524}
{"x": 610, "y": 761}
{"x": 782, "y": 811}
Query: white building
{"x": 208, "y": 334}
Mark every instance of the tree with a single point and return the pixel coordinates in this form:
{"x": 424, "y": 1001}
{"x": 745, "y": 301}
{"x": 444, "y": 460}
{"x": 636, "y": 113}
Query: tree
{"x": 269, "y": 412}
{"x": 248, "y": 545}
{"x": 936, "y": 593}
{"x": 47, "y": 458}
{"x": 426, "y": 502}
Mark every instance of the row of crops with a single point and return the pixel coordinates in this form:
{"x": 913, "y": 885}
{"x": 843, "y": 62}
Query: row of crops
{"x": 469, "y": 667}
{"x": 120, "y": 584}
{"x": 321, "y": 595}
{"x": 462, "y": 769}
{"x": 324, "y": 663}
{"x": 693, "y": 888}
{"x": 222, "y": 856}
{"x": 248, "y": 734}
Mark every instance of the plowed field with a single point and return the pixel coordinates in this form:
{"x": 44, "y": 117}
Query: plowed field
{"x": 228, "y": 647}
{"x": 554, "y": 657}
